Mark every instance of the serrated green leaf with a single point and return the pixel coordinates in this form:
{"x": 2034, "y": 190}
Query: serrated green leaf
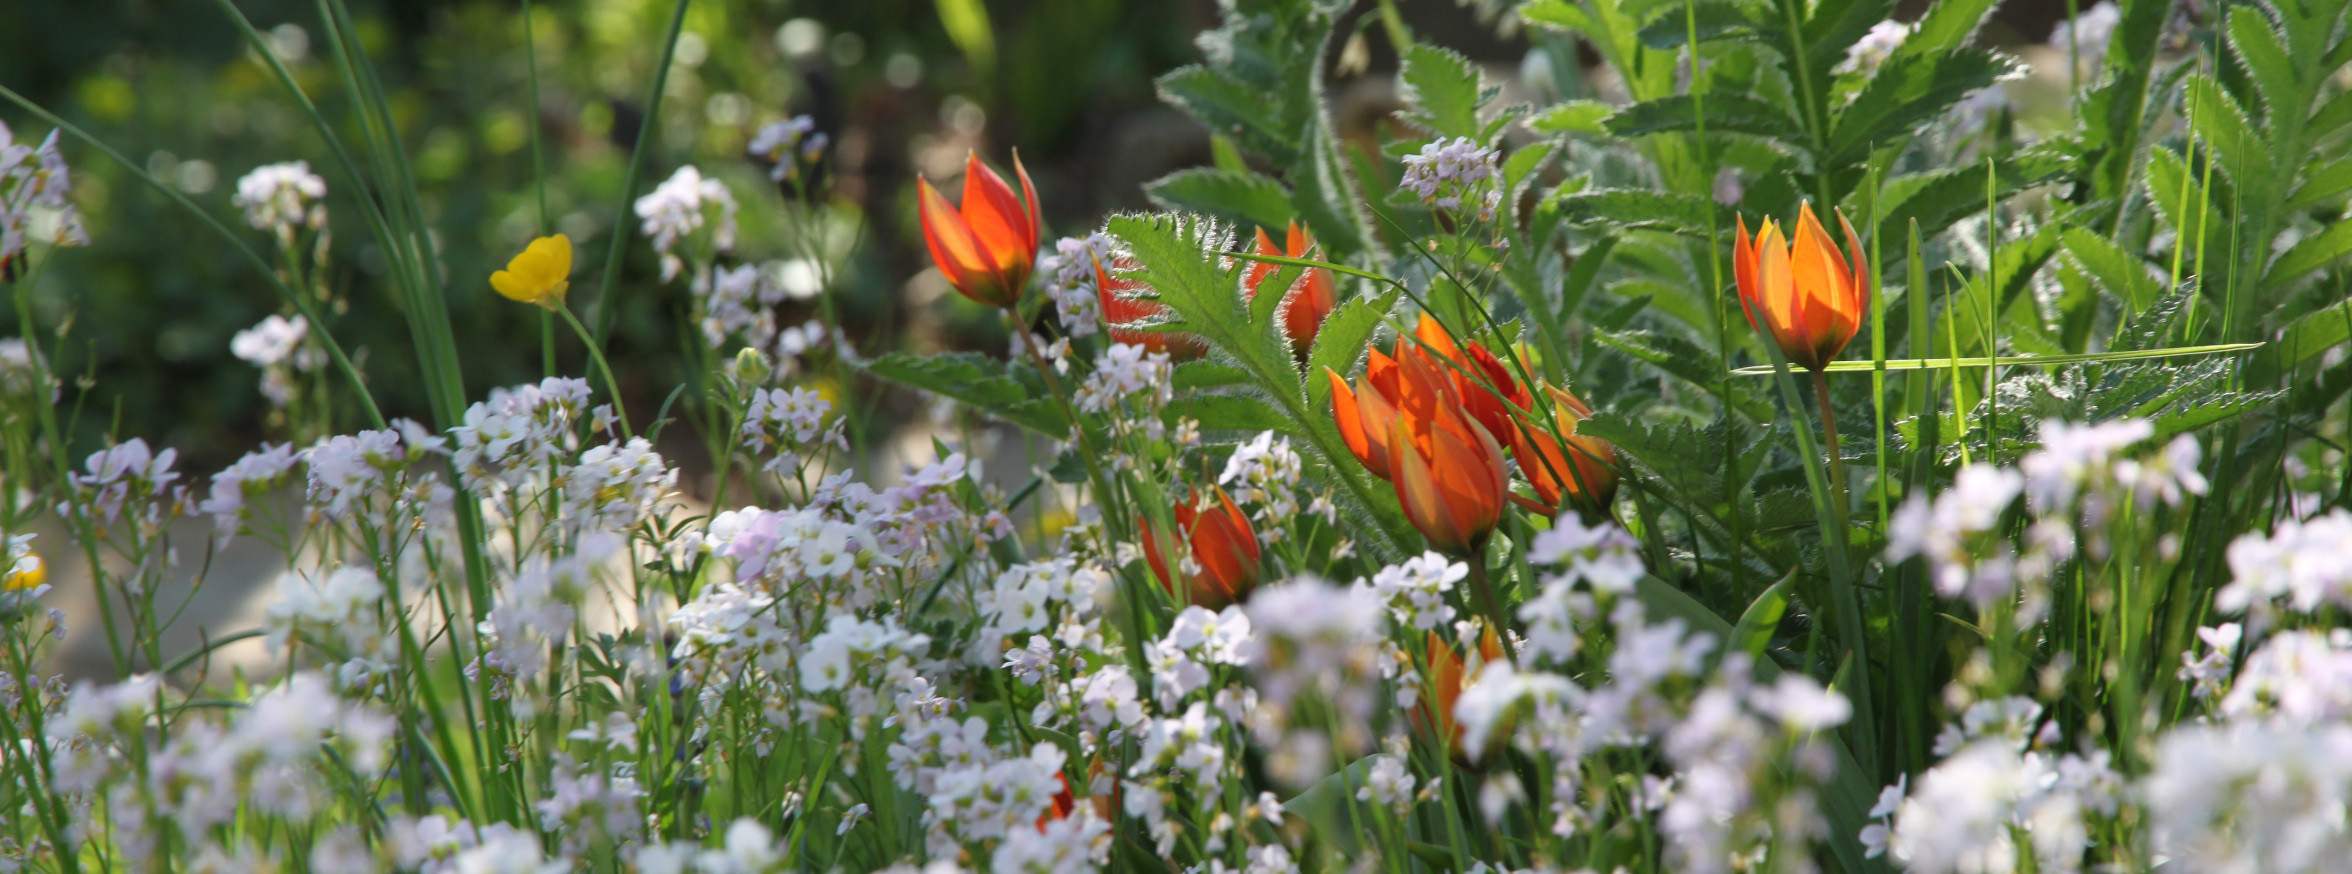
{"x": 2112, "y": 267}
{"x": 1649, "y": 210}
{"x": 1192, "y": 375}
{"x": 2310, "y": 253}
{"x": 1237, "y": 196}
{"x": 1723, "y": 113}
{"x": 1909, "y": 91}
{"x": 977, "y": 381}
{"x": 1713, "y": 20}
{"x": 2326, "y": 183}
{"x": 1444, "y": 86}
{"x": 2222, "y": 127}
{"x": 1230, "y": 413}
{"x": 1756, "y": 624}
{"x": 1572, "y": 117}
{"x": 1342, "y": 340}
{"x": 2264, "y": 57}
{"x": 1230, "y": 107}
{"x": 1947, "y": 25}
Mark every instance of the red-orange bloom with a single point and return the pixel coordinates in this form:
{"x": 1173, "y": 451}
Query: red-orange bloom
{"x": 1120, "y": 309}
{"x": 1578, "y": 467}
{"x": 1310, "y": 298}
{"x": 1484, "y": 382}
{"x": 1407, "y": 420}
{"x": 1804, "y": 291}
{"x": 1220, "y": 541}
{"x": 988, "y": 246}
{"x": 1064, "y": 804}
{"x": 1449, "y": 673}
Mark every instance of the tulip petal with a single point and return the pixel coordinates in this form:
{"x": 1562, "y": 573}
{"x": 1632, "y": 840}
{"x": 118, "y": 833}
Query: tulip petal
{"x": 997, "y": 219}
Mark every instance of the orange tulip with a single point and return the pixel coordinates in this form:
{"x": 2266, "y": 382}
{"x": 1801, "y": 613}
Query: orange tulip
{"x": 1408, "y": 421}
{"x": 1579, "y": 468}
{"x": 1449, "y": 674}
{"x": 1221, "y": 542}
{"x": 988, "y": 246}
{"x": 1310, "y": 298}
{"x": 1118, "y": 309}
{"x": 1478, "y": 377}
{"x": 1810, "y": 296}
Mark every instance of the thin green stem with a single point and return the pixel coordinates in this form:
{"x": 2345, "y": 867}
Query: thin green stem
{"x": 596, "y": 353}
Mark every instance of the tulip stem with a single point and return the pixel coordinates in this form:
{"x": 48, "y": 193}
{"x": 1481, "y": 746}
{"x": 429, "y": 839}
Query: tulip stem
{"x": 1482, "y": 589}
{"x": 1829, "y": 438}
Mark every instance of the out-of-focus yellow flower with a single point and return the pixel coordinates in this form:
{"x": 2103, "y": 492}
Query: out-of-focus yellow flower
{"x": 27, "y": 572}
{"x": 540, "y": 275}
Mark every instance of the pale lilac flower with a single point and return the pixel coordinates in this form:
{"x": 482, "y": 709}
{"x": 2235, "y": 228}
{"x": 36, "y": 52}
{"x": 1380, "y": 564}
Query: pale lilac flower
{"x": 280, "y": 197}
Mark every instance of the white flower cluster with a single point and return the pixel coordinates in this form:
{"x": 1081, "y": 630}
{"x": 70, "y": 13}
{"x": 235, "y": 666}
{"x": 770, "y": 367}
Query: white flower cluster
{"x": 2073, "y": 486}
{"x": 276, "y": 346}
{"x": 1874, "y": 48}
{"x": 126, "y": 476}
{"x": 679, "y": 209}
{"x": 270, "y": 757}
{"x": 511, "y": 439}
{"x": 2303, "y": 565}
{"x": 436, "y": 844}
{"x": 1448, "y": 175}
{"x": 1588, "y": 560}
{"x": 791, "y": 148}
{"x": 787, "y": 423}
{"x": 282, "y": 197}
{"x": 33, "y": 180}
{"x": 1072, "y": 282}
{"x": 738, "y": 301}
{"x": 1415, "y": 591}
{"x": 1124, "y": 371}
{"x": 338, "y": 615}
{"x": 1263, "y": 474}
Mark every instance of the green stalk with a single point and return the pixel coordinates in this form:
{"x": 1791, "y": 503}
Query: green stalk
{"x": 653, "y": 104}
{"x": 596, "y": 353}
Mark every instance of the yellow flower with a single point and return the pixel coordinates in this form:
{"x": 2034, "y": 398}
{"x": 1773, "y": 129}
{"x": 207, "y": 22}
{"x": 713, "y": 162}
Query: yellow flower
{"x": 27, "y": 573}
{"x": 540, "y": 275}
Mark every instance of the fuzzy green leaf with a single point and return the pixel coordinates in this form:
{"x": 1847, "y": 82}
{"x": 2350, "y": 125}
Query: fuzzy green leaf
{"x": 1444, "y": 87}
{"x": 1242, "y": 197}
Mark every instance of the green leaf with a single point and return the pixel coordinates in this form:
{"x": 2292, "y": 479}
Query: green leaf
{"x": 2113, "y": 268}
{"x": 1724, "y": 113}
{"x": 1572, "y": 117}
{"x": 1909, "y": 91}
{"x": 1243, "y": 196}
{"x": 2326, "y": 183}
{"x": 1231, "y": 107}
{"x": 2310, "y": 253}
{"x": 1947, "y": 25}
{"x": 1444, "y": 86}
{"x": 1192, "y": 375}
{"x": 2258, "y": 50}
{"x": 1326, "y": 807}
{"x": 1761, "y": 619}
{"x": 1715, "y": 19}
{"x": 1342, "y": 341}
{"x": 1229, "y": 413}
{"x": 2222, "y": 126}
{"x": 1686, "y": 214}
{"x": 977, "y": 381}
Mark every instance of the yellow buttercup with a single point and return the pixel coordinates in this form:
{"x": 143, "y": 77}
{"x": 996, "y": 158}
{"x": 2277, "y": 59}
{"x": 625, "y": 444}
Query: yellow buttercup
{"x": 540, "y": 275}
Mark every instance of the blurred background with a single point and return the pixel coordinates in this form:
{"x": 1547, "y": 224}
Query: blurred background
{"x": 902, "y": 87}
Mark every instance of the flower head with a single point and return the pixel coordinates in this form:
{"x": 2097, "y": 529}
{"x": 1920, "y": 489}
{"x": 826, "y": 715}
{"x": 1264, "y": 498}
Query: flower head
{"x": 988, "y": 245}
{"x": 1408, "y": 420}
{"x": 1310, "y": 298}
{"x": 540, "y": 275}
{"x": 1569, "y": 466}
{"x": 1220, "y": 541}
{"x": 1804, "y": 291}
{"x": 1449, "y": 672}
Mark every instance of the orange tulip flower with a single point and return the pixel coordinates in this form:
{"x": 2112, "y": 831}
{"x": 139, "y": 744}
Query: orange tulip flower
{"x": 1310, "y": 298}
{"x": 1221, "y": 542}
{"x": 1064, "y": 804}
{"x": 1119, "y": 308}
{"x": 1407, "y": 420}
{"x": 1810, "y": 296}
{"x": 1449, "y": 674}
{"x": 1477, "y": 376}
{"x": 1578, "y": 468}
{"x": 988, "y": 246}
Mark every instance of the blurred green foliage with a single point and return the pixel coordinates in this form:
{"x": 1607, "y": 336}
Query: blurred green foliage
{"x": 149, "y": 308}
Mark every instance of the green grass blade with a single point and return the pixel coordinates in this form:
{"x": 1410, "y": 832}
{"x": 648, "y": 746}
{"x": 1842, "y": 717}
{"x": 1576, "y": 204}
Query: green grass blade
{"x": 2009, "y": 360}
